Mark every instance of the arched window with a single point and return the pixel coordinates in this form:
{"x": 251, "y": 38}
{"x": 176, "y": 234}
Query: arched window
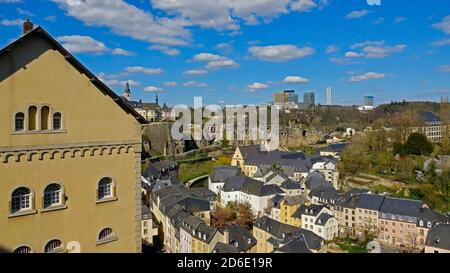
{"x": 57, "y": 121}
{"x": 19, "y": 122}
{"x": 32, "y": 118}
{"x": 54, "y": 246}
{"x": 21, "y": 200}
{"x": 105, "y": 189}
{"x": 45, "y": 115}
{"x": 105, "y": 234}
{"x": 53, "y": 195}
{"x": 23, "y": 250}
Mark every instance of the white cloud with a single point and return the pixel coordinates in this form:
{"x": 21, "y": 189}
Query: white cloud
{"x": 228, "y": 14}
{"x": 24, "y": 12}
{"x": 378, "y": 21}
{"x": 280, "y": 53}
{"x": 215, "y": 61}
{"x": 140, "y": 69}
{"x": 358, "y": 14}
{"x": 295, "y": 80}
{"x": 444, "y": 68}
{"x": 128, "y": 20}
{"x": 374, "y": 50}
{"x": 82, "y": 44}
{"x": 165, "y": 50}
{"x": 119, "y": 83}
{"x": 331, "y": 49}
{"x": 444, "y": 25}
{"x": 123, "y": 52}
{"x": 399, "y": 20}
{"x": 195, "y": 72}
{"x": 51, "y": 18}
{"x": 15, "y": 22}
{"x": 352, "y": 54}
{"x": 194, "y": 84}
{"x": 367, "y": 76}
{"x": 443, "y": 42}
{"x": 257, "y": 86}
{"x": 170, "y": 84}
{"x": 153, "y": 89}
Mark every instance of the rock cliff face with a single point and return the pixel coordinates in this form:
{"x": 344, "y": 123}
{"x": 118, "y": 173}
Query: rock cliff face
{"x": 158, "y": 140}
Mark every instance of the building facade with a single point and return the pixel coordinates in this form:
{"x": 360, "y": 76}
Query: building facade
{"x": 70, "y": 181}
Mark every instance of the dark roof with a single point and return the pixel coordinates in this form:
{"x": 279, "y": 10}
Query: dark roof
{"x": 258, "y": 188}
{"x": 225, "y": 248}
{"x": 291, "y": 185}
{"x": 221, "y": 173}
{"x": 145, "y": 212}
{"x": 241, "y": 238}
{"x": 205, "y": 233}
{"x": 234, "y": 183}
{"x": 296, "y": 200}
{"x": 439, "y": 237}
{"x": 429, "y": 117}
{"x": 326, "y": 194}
{"x": 295, "y": 245}
{"x": 337, "y": 148}
{"x": 316, "y": 180}
{"x": 370, "y": 201}
{"x": 80, "y": 67}
{"x": 312, "y": 210}
{"x": 401, "y": 206}
{"x": 275, "y": 228}
{"x": 323, "y": 219}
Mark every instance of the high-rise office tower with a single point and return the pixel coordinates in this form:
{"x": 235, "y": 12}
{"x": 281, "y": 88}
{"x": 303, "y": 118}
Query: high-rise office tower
{"x": 329, "y": 96}
{"x": 309, "y": 99}
{"x": 368, "y": 101}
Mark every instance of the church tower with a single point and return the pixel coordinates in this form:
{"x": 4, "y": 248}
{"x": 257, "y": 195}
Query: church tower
{"x": 157, "y": 100}
{"x": 127, "y": 92}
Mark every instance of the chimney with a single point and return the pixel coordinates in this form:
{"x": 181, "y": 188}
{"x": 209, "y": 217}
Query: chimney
{"x": 226, "y": 236}
{"x": 27, "y": 26}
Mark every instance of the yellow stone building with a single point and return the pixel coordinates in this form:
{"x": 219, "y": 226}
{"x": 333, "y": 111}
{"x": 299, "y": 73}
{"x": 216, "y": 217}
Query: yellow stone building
{"x": 70, "y": 151}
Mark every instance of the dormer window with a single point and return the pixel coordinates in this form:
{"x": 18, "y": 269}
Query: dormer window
{"x": 429, "y": 225}
{"x": 421, "y": 223}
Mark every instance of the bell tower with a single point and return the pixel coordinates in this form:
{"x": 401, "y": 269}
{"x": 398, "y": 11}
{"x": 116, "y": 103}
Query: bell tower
{"x": 127, "y": 92}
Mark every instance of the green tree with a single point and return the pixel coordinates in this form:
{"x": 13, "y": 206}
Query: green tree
{"x": 418, "y": 144}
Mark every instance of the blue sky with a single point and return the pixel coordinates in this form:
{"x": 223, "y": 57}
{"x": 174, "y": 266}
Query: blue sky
{"x": 241, "y": 51}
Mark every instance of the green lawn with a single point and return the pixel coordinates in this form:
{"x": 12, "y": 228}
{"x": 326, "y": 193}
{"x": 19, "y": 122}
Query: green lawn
{"x": 350, "y": 245}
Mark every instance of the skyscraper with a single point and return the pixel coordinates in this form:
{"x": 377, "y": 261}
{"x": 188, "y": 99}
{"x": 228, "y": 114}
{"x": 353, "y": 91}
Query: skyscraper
{"x": 309, "y": 99}
{"x": 368, "y": 101}
{"x": 329, "y": 96}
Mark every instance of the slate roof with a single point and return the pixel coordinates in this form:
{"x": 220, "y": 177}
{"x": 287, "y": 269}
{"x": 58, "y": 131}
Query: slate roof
{"x": 291, "y": 185}
{"x": 370, "y": 201}
{"x": 323, "y": 219}
{"x": 258, "y": 188}
{"x": 401, "y": 206}
{"x": 439, "y": 237}
{"x": 79, "y": 66}
{"x": 295, "y": 245}
{"x": 222, "y": 173}
{"x": 326, "y": 194}
{"x": 205, "y": 233}
{"x": 225, "y": 248}
{"x": 429, "y": 117}
{"x": 351, "y": 198}
{"x": 276, "y": 229}
{"x": 145, "y": 213}
{"x": 311, "y": 210}
{"x": 241, "y": 238}
{"x": 234, "y": 183}
{"x": 336, "y": 148}
{"x": 316, "y": 180}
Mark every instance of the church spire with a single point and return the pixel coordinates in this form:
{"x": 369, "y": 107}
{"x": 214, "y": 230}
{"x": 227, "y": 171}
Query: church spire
{"x": 157, "y": 100}
{"x": 127, "y": 91}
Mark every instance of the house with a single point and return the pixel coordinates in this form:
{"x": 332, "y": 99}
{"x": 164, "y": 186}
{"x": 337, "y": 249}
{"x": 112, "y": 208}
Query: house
{"x": 431, "y": 126}
{"x": 246, "y": 190}
{"x": 319, "y": 220}
{"x": 291, "y": 188}
{"x": 303, "y": 241}
{"x": 288, "y": 208}
{"x": 367, "y": 210}
{"x": 188, "y": 229}
{"x": 406, "y": 223}
{"x": 272, "y": 236}
{"x": 70, "y": 152}
{"x": 149, "y": 110}
{"x": 167, "y": 202}
{"x": 345, "y": 212}
{"x": 205, "y": 238}
{"x": 240, "y": 238}
{"x": 438, "y": 239}
{"x": 217, "y": 179}
{"x": 273, "y": 209}
{"x": 149, "y": 228}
